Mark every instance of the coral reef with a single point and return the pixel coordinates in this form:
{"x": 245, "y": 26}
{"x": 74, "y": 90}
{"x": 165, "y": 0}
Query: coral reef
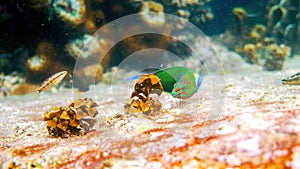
{"x": 87, "y": 75}
{"x": 43, "y": 64}
{"x": 76, "y": 119}
{"x": 239, "y": 24}
{"x": 94, "y": 20}
{"x": 15, "y": 61}
{"x": 275, "y": 56}
{"x": 196, "y": 11}
{"x": 88, "y": 49}
{"x": 240, "y": 14}
{"x": 60, "y": 28}
{"x": 89, "y": 72}
{"x": 264, "y": 44}
{"x": 9, "y": 83}
{"x": 71, "y": 11}
{"x": 250, "y": 53}
{"x": 257, "y": 33}
{"x": 45, "y": 48}
{"x": 40, "y": 67}
{"x": 271, "y": 57}
{"x": 85, "y": 47}
{"x": 282, "y": 21}
{"x": 153, "y": 19}
{"x": 113, "y": 75}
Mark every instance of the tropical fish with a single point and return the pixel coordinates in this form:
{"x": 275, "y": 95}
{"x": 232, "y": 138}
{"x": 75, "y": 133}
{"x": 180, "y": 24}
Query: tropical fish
{"x": 292, "y": 80}
{"x": 186, "y": 87}
{"x": 51, "y": 81}
{"x": 179, "y": 81}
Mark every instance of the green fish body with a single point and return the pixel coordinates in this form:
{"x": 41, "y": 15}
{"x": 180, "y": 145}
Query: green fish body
{"x": 170, "y": 76}
{"x": 179, "y": 81}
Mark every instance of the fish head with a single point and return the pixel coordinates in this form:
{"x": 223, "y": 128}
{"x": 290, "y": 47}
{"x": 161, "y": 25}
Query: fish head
{"x": 180, "y": 91}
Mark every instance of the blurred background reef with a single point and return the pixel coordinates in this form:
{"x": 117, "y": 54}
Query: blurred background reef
{"x": 42, "y": 37}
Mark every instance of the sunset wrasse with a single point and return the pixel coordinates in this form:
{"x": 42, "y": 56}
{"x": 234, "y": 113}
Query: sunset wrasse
{"x": 179, "y": 81}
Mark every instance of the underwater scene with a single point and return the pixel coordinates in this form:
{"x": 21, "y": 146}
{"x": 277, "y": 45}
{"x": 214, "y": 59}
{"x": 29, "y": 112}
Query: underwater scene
{"x": 150, "y": 84}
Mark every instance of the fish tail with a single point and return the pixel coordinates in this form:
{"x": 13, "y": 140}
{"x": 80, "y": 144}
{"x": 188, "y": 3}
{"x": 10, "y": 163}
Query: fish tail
{"x": 199, "y": 81}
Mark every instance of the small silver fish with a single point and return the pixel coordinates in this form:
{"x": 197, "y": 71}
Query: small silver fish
{"x": 292, "y": 80}
{"x": 51, "y": 81}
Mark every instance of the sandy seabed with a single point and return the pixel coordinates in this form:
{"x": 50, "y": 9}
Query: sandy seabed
{"x": 255, "y": 124}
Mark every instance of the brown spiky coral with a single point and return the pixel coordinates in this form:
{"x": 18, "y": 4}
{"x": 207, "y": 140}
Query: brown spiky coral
{"x": 140, "y": 97}
{"x": 85, "y": 111}
{"x": 76, "y": 119}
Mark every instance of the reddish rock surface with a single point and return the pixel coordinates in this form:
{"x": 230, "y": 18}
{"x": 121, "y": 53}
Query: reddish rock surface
{"x": 258, "y": 126}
